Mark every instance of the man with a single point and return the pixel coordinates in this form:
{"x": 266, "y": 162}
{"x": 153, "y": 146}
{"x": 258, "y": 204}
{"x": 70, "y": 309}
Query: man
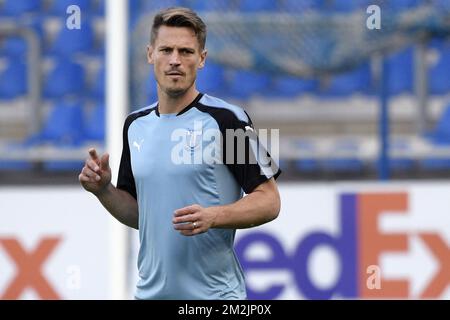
{"x": 186, "y": 211}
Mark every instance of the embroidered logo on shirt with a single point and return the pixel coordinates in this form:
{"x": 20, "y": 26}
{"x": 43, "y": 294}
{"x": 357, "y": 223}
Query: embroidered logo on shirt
{"x": 193, "y": 138}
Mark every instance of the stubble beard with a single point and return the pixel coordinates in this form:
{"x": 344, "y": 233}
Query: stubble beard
{"x": 177, "y": 92}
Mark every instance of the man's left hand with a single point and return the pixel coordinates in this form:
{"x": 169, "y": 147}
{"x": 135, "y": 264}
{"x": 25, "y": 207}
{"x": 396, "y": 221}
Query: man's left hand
{"x": 194, "y": 219}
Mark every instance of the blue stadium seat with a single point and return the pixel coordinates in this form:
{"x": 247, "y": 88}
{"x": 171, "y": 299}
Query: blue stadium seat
{"x": 351, "y": 165}
{"x": 66, "y": 78}
{"x": 15, "y": 165}
{"x": 439, "y": 75}
{"x": 283, "y": 164}
{"x": 99, "y": 7}
{"x": 201, "y": 5}
{"x": 400, "y": 72}
{"x": 290, "y": 86}
{"x": 210, "y": 79}
{"x": 256, "y": 6}
{"x": 399, "y": 164}
{"x": 68, "y": 41}
{"x": 63, "y": 165}
{"x": 244, "y": 84}
{"x": 440, "y": 135}
{"x": 344, "y": 164}
{"x": 17, "y": 7}
{"x": 151, "y": 5}
{"x": 63, "y": 126}
{"x": 307, "y": 164}
{"x": 63, "y": 129}
{"x": 301, "y": 6}
{"x": 435, "y": 164}
{"x": 401, "y": 5}
{"x": 358, "y": 80}
{"x": 346, "y": 5}
{"x": 13, "y": 80}
{"x": 14, "y": 47}
{"x": 94, "y": 124}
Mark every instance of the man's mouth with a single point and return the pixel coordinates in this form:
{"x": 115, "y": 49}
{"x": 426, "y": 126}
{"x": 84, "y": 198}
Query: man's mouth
{"x": 174, "y": 73}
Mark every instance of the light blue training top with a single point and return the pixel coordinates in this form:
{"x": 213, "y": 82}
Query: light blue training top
{"x": 170, "y": 161}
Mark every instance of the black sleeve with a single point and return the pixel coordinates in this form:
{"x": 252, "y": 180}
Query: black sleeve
{"x": 125, "y": 180}
{"x": 249, "y": 162}
{"x": 244, "y": 154}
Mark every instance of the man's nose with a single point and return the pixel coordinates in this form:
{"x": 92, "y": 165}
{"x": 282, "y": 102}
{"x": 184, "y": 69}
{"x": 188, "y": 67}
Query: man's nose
{"x": 174, "y": 58}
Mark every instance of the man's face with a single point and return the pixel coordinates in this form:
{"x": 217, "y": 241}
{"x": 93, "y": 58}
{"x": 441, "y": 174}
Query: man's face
{"x": 176, "y": 56}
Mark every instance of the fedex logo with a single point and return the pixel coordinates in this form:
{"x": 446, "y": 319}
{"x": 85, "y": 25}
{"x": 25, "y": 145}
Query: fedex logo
{"x": 29, "y": 265}
{"x": 359, "y": 245}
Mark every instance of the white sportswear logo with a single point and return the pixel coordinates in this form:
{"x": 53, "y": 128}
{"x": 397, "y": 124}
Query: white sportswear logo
{"x": 138, "y": 145}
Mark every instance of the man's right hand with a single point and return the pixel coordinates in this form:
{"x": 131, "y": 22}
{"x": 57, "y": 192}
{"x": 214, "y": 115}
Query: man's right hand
{"x": 96, "y": 173}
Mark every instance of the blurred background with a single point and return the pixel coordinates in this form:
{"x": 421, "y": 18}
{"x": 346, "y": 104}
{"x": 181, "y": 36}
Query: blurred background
{"x": 359, "y": 89}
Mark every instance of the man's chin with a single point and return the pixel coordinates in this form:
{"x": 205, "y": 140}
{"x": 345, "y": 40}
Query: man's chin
{"x": 175, "y": 92}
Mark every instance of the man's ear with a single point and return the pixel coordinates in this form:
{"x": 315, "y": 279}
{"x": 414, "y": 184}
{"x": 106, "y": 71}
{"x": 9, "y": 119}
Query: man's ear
{"x": 203, "y": 58}
{"x": 150, "y": 54}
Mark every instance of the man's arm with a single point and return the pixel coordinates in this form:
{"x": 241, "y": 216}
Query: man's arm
{"x": 95, "y": 177}
{"x": 258, "y": 207}
{"x": 121, "y": 205}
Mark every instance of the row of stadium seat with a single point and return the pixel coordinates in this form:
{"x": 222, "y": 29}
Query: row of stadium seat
{"x": 49, "y": 7}
{"x": 56, "y": 39}
{"x": 58, "y": 7}
{"x": 70, "y": 78}
{"x": 249, "y": 6}
{"x": 439, "y": 137}
{"x": 344, "y": 166}
{"x": 242, "y": 84}
{"x": 216, "y": 79}
{"x": 356, "y": 166}
{"x": 70, "y": 125}
{"x": 64, "y": 78}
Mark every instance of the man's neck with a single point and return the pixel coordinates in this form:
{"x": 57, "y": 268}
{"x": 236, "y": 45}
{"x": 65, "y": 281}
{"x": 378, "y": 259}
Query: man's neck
{"x": 168, "y": 104}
